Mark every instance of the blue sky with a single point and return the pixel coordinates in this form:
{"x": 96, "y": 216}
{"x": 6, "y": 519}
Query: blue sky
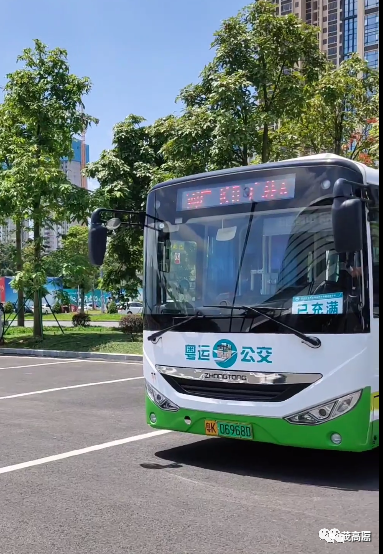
{"x": 138, "y": 53}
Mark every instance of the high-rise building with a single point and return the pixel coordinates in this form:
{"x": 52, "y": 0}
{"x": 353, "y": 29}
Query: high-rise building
{"x": 8, "y": 232}
{"x": 73, "y": 171}
{"x": 72, "y": 168}
{"x": 346, "y": 26}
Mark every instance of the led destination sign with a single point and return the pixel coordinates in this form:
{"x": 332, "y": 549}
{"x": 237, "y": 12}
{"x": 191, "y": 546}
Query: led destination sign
{"x": 263, "y": 190}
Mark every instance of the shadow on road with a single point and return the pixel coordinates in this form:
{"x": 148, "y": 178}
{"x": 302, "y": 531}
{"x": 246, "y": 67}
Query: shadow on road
{"x": 338, "y": 470}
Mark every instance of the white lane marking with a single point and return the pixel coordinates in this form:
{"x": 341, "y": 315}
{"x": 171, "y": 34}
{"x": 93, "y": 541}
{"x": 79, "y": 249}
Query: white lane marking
{"x": 110, "y": 362}
{"x": 71, "y": 360}
{"x": 74, "y": 453}
{"x": 12, "y": 357}
{"x": 21, "y": 395}
{"x": 30, "y": 357}
{"x": 41, "y": 365}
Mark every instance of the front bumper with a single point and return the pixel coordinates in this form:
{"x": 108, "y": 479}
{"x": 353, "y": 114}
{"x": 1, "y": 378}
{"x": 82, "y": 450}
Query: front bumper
{"x": 355, "y": 427}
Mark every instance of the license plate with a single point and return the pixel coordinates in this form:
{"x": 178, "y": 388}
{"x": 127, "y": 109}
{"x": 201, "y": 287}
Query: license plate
{"x": 230, "y": 430}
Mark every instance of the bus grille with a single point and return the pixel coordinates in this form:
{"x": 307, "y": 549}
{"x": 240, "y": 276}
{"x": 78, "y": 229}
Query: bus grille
{"x": 235, "y": 392}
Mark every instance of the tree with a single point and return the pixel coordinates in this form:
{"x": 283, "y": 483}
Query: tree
{"x": 125, "y": 174}
{"x": 10, "y": 209}
{"x": 337, "y": 116}
{"x": 72, "y": 263}
{"x": 42, "y": 112}
{"x": 262, "y": 66}
{"x": 7, "y": 259}
{"x": 364, "y": 145}
{"x": 375, "y": 145}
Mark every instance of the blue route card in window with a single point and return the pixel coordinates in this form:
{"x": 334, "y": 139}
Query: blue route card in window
{"x": 321, "y": 304}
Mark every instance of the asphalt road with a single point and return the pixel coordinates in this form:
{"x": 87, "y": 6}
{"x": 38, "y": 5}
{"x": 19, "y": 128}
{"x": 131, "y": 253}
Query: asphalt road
{"x": 152, "y": 493}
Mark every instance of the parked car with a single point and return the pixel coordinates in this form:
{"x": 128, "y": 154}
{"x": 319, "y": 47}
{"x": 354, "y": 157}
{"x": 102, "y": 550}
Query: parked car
{"x": 27, "y": 310}
{"x": 45, "y": 309}
{"x": 135, "y": 308}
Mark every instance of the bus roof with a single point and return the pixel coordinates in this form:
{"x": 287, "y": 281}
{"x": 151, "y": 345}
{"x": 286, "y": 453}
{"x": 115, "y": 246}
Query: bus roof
{"x": 370, "y": 175}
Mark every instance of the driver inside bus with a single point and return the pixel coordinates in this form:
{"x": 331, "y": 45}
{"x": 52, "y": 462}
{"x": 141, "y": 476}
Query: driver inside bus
{"x": 353, "y": 266}
{"x": 350, "y": 271}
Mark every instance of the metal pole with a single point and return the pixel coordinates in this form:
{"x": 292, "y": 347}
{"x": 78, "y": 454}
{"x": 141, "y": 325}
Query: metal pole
{"x": 102, "y": 293}
{"x": 7, "y": 324}
{"x": 41, "y": 314}
{"x": 54, "y": 315}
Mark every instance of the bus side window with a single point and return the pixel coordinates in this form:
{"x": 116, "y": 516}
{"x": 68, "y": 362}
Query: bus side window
{"x": 375, "y": 257}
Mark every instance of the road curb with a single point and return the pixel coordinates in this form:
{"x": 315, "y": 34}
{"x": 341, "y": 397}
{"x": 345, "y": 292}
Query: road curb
{"x": 70, "y": 355}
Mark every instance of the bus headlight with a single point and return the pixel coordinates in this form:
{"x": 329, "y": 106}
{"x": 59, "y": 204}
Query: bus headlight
{"x": 160, "y": 400}
{"x": 326, "y": 412}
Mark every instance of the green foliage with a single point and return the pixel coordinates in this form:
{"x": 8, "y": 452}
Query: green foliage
{"x": 375, "y": 146}
{"x": 42, "y": 111}
{"x": 253, "y": 80}
{"x": 57, "y": 308}
{"x": 112, "y": 308}
{"x": 368, "y": 144}
{"x": 30, "y": 282}
{"x": 61, "y": 296}
{"x": 132, "y": 325}
{"x": 337, "y": 116}
{"x": 7, "y": 259}
{"x": 125, "y": 175}
{"x": 9, "y": 308}
{"x": 262, "y": 66}
{"x": 72, "y": 263}
{"x": 81, "y": 320}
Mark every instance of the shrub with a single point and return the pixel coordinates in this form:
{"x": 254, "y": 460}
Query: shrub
{"x": 132, "y": 325}
{"x": 81, "y": 320}
{"x": 112, "y": 309}
{"x": 57, "y": 308}
{"x": 9, "y": 308}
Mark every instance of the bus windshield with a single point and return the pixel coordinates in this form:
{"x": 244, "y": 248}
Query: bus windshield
{"x": 282, "y": 259}
{"x": 258, "y": 239}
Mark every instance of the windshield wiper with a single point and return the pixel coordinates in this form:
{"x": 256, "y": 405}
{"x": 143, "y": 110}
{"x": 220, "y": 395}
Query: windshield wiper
{"x": 313, "y": 342}
{"x": 155, "y": 336}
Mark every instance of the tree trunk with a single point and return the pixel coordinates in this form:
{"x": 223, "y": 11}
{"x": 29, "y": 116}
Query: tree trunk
{"x": 246, "y": 155}
{"x": 37, "y": 316}
{"x": 338, "y": 140}
{"x": 338, "y": 150}
{"x": 19, "y": 267}
{"x": 338, "y": 134}
{"x": 266, "y": 143}
{"x": 82, "y": 300}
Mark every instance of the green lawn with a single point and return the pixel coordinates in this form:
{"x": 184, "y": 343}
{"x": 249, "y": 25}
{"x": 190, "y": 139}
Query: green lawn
{"x": 95, "y": 317}
{"x": 94, "y": 339}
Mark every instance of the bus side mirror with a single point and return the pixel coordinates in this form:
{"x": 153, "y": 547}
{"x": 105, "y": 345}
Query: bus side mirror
{"x": 98, "y": 235}
{"x": 347, "y": 218}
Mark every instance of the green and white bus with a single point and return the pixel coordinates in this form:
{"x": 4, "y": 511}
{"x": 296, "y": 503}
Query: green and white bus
{"x": 261, "y": 302}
